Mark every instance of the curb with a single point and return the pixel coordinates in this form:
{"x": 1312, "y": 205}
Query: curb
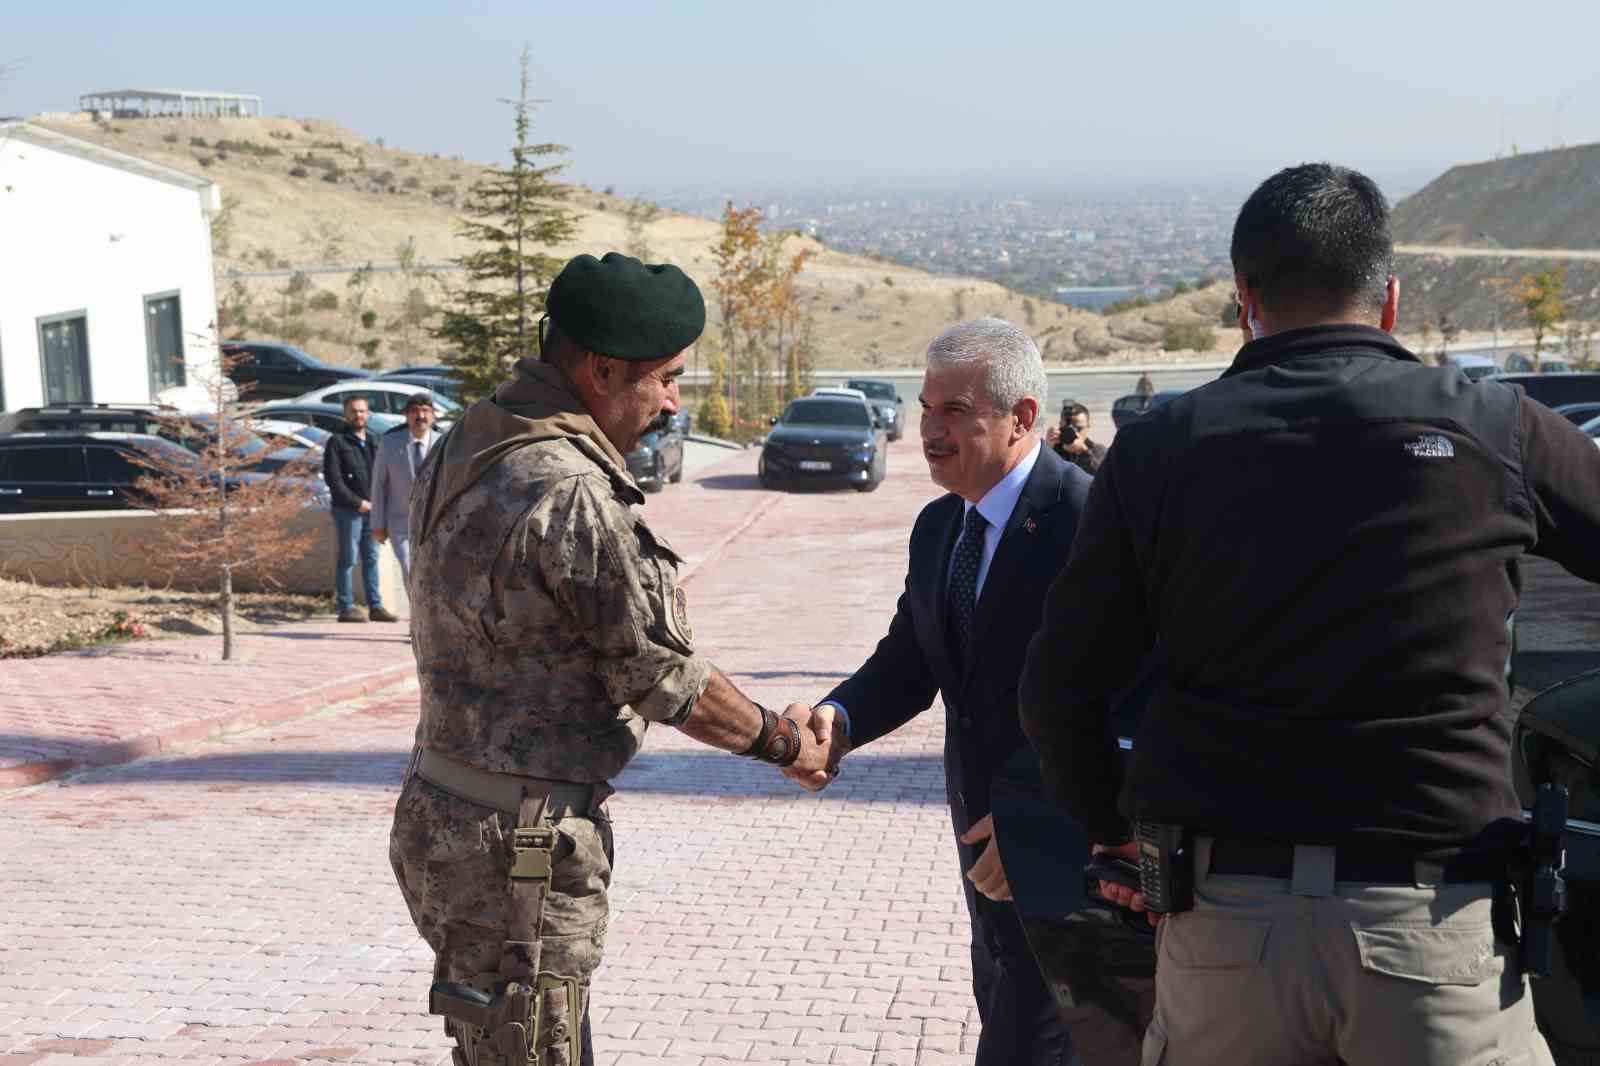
{"x": 185, "y": 734}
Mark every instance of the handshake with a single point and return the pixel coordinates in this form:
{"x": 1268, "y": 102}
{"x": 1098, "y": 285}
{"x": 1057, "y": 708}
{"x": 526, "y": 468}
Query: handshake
{"x": 822, "y": 745}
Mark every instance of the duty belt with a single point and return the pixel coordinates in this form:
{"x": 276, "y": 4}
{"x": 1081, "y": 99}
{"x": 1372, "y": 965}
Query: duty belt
{"x": 504, "y": 792}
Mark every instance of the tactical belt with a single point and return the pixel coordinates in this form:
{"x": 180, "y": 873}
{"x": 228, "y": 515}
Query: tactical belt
{"x": 504, "y": 792}
{"x": 1237, "y": 857}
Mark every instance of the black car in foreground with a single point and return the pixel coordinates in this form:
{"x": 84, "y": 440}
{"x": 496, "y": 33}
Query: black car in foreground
{"x": 824, "y": 440}
{"x": 1556, "y": 390}
{"x": 658, "y": 459}
{"x": 194, "y": 430}
{"x": 268, "y": 370}
{"x": 1133, "y": 406}
{"x": 888, "y": 401}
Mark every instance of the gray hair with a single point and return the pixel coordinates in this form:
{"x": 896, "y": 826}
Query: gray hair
{"x": 1013, "y": 367}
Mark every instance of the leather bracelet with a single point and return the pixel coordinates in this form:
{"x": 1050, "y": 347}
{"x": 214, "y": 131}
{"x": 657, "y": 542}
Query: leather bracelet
{"x": 754, "y": 751}
{"x": 791, "y": 745}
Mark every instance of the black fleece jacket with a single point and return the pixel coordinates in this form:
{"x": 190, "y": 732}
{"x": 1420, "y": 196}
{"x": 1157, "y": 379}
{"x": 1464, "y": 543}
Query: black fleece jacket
{"x": 1325, "y": 543}
{"x": 347, "y": 468}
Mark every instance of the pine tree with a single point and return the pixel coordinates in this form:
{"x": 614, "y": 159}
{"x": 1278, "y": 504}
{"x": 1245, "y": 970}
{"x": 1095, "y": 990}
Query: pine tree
{"x": 512, "y": 213}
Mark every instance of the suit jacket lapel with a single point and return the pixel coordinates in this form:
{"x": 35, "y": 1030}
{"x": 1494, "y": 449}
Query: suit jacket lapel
{"x": 943, "y": 546}
{"x": 1023, "y": 533}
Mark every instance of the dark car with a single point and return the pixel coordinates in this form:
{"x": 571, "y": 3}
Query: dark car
{"x": 888, "y": 401}
{"x": 1556, "y": 390}
{"x": 824, "y": 440}
{"x": 1579, "y": 413}
{"x": 657, "y": 460}
{"x": 73, "y": 471}
{"x": 1132, "y": 407}
{"x": 328, "y": 416}
{"x": 1558, "y": 741}
{"x": 192, "y": 430}
{"x": 274, "y": 370}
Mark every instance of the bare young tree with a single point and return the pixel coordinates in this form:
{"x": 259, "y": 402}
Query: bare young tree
{"x": 220, "y": 512}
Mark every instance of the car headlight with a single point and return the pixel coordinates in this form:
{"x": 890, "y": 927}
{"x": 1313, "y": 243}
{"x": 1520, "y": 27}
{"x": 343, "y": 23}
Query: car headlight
{"x": 864, "y": 451}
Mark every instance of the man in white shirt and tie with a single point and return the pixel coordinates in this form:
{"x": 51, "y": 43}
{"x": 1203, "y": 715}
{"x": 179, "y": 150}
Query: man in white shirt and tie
{"x": 981, "y": 557}
{"x": 400, "y": 455}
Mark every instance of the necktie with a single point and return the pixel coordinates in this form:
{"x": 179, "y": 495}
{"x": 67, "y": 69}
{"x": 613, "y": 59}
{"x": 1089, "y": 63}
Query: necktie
{"x": 964, "y": 579}
{"x": 416, "y": 457}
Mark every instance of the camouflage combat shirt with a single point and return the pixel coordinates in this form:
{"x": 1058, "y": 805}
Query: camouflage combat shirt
{"x": 546, "y": 619}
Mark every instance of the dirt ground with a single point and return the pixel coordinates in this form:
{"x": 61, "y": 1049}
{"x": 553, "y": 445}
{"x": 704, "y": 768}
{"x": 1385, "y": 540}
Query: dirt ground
{"x": 40, "y": 619}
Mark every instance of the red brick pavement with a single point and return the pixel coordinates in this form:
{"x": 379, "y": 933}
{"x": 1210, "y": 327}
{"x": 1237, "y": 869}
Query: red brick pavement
{"x": 110, "y": 705}
{"x": 233, "y": 903}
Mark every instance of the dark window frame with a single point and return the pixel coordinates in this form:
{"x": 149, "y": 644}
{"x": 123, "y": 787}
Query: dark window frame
{"x": 182, "y": 368}
{"x": 88, "y": 359}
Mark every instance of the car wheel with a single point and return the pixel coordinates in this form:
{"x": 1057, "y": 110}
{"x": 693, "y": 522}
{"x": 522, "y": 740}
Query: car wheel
{"x": 766, "y": 479}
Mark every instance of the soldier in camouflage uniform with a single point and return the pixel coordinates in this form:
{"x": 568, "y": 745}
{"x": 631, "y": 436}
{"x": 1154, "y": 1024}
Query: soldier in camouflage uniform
{"x": 549, "y": 631}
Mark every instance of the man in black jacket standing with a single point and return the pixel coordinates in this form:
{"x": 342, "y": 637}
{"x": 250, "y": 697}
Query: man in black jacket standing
{"x": 1325, "y": 544}
{"x": 347, "y": 468}
{"x": 981, "y": 557}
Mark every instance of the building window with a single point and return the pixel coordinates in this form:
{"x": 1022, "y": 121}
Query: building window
{"x": 64, "y": 357}
{"x": 163, "y": 341}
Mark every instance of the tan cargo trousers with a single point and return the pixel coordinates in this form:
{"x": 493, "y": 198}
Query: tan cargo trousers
{"x": 1364, "y": 975}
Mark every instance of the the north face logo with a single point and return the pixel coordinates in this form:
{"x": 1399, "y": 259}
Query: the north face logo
{"x": 1431, "y": 446}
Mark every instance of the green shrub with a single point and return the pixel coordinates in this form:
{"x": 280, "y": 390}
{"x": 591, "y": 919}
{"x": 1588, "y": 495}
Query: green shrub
{"x": 413, "y": 182}
{"x": 171, "y": 138}
{"x": 298, "y": 172}
{"x": 369, "y": 319}
{"x": 203, "y": 160}
{"x": 197, "y": 142}
{"x": 442, "y": 192}
{"x": 323, "y": 301}
{"x": 1188, "y": 336}
{"x": 331, "y": 174}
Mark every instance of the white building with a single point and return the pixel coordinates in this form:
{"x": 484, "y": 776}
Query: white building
{"x": 106, "y": 286}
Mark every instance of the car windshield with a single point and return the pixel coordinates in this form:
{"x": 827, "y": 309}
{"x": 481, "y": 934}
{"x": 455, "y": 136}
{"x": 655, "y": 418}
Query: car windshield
{"x": 876, "y": 390}
{"x": 827, "y": 413}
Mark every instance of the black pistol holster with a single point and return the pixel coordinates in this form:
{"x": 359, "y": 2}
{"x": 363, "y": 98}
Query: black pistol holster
{"x": 514, "y": 1017}
{"x": 1536, "y": 883}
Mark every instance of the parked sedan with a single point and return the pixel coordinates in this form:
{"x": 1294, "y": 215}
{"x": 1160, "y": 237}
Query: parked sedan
{"x": 824, "y": 440}
{"x": 281, "y": 370}
{"x": 888, "y": 402}
{"x": 438, "y": 384}
{"x": 325, "y": 416}
{"x": 384, "y": 396}
{"x": 657, "y": 460}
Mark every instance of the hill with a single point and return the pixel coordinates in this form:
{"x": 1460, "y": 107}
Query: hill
{"x": 1539, "y": 200}
{"x": 311, "y": 196}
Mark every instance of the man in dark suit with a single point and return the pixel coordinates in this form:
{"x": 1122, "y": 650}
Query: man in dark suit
{"x": 981, "y": 559}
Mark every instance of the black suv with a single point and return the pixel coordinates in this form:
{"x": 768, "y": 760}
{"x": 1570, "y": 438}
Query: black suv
{"x": 888, "y": 402}
{"x": 824, "y": 440}
{"x": 281, "y": 370}
{"x": 192, "y": 430}
{"x": 68, "y": 471}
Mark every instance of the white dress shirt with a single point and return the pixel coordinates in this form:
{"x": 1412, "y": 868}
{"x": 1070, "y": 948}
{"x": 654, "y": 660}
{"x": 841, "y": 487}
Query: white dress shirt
{"x": 996, "y": 507}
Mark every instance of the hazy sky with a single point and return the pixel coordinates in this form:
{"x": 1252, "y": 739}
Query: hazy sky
{"x": 714, "y": 93}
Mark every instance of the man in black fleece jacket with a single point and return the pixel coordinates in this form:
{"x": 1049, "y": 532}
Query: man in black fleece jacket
{"x": 347, "y": 468}
{"x": 1325, "y": 543}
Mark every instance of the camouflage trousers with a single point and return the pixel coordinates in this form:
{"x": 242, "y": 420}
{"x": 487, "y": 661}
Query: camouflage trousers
{"x": 452, "y": 858}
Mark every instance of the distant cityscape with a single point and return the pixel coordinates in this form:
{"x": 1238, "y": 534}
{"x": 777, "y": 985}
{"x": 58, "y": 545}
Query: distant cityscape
{"x": 1088, "y": 249}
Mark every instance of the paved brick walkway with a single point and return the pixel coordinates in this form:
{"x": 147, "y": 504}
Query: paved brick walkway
{"x": 233, "y": 903}
{"x": 110, "y": 705}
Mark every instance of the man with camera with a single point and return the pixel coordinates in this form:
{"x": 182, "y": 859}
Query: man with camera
{"x": 1324, "y": 543}
{"x": 1071, "y": 440}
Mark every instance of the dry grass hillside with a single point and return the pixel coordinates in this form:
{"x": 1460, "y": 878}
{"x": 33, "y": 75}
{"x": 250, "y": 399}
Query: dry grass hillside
{"x": 312, "y": 196}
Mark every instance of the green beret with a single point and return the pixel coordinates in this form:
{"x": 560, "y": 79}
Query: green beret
{"x": 626, "y": 309}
